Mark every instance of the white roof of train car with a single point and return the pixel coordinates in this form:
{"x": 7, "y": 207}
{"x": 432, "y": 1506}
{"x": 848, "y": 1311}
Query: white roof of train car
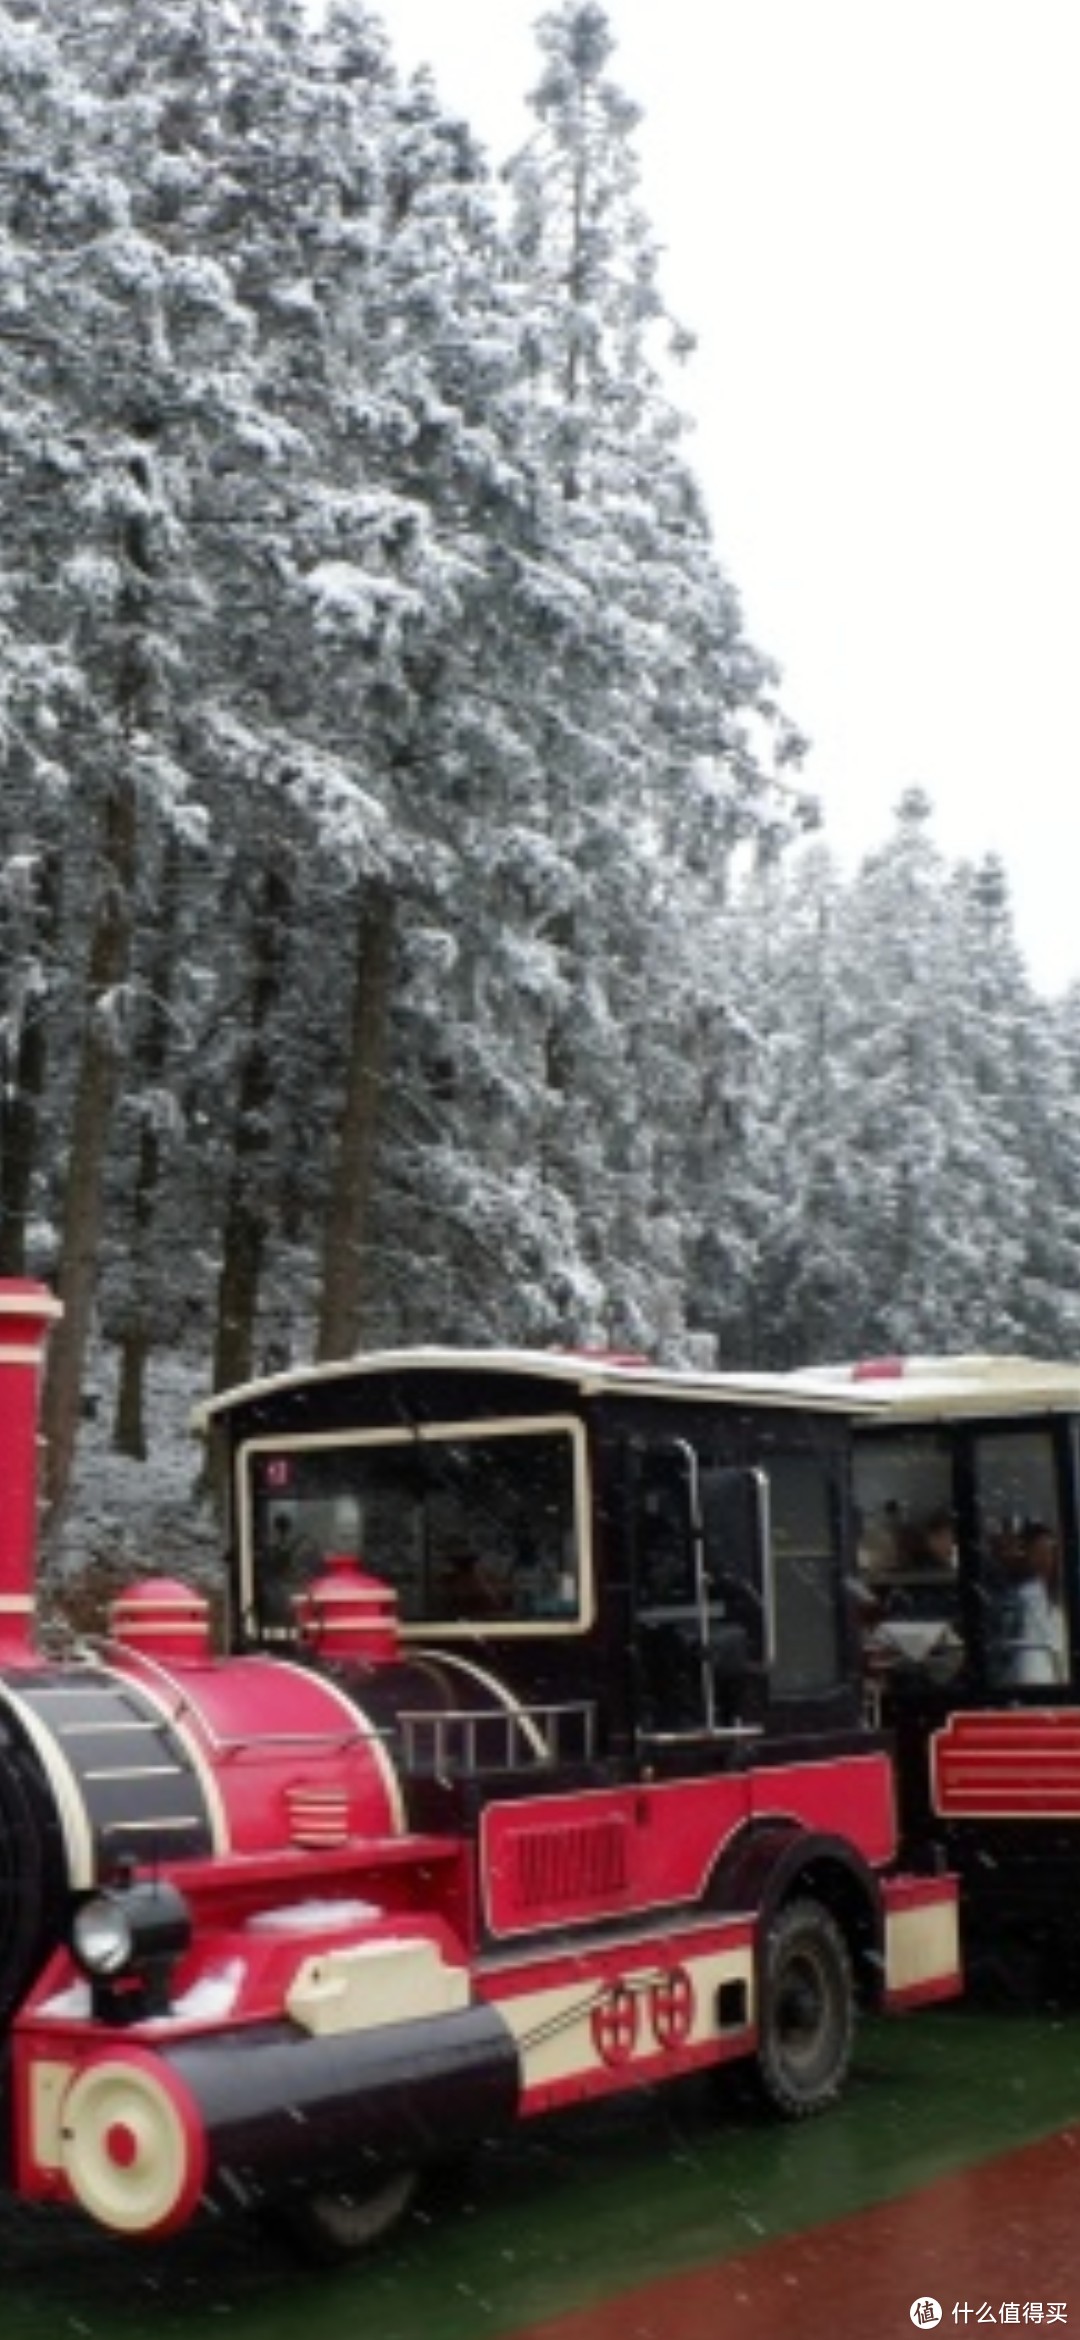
{"x": 925, "y": 1388}
{"x": 590, "y": 1375}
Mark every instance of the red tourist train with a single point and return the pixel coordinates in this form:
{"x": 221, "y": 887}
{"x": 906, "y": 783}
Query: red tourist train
{"x": 534, "y": 1767}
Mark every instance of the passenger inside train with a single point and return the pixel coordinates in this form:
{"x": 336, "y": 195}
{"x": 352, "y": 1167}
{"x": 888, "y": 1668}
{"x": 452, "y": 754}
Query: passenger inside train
{"x": 959, "y": 1556}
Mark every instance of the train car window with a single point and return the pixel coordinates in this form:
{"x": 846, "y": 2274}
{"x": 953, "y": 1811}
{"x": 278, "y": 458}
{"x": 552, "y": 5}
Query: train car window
{"x": 903, "y": 1498}
{"x": 907, "y": 1588}
{"x": 735, "y": 1523}
{"x": 665, "y": 1544}
{"x": 472, "y": 1527}
{"x": 703, "y": 1625}
{"x": 809, "y": 1652}
{"x": 670, "y": 1637}
{"x": 1026, "y": 1634}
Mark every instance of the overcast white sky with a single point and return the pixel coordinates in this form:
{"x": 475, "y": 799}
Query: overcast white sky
{"x": 870, "y": 211}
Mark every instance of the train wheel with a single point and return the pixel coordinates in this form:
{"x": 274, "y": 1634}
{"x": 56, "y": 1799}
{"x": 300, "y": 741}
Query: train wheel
{"x": 807, "y": 2018}
{"x": 335, "y": 2223}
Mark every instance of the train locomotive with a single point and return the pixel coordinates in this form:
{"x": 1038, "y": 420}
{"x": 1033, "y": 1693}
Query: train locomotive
{"x": 527, "y": 1765}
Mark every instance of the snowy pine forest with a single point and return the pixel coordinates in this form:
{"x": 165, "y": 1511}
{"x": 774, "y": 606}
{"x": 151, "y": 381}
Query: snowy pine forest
{"x": 413, "y": 923}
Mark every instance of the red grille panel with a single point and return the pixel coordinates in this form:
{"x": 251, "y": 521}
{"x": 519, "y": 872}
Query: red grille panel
{"x": 587, "y": 1861}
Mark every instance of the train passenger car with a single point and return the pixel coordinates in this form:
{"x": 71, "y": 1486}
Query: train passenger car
{"x": 967, "y": 1486}
{"x": 533, "y": 1767}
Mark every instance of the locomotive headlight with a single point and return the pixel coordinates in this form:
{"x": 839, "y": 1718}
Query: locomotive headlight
{"x": 127, "y": 1940}
{"x": 101, "y": 1935}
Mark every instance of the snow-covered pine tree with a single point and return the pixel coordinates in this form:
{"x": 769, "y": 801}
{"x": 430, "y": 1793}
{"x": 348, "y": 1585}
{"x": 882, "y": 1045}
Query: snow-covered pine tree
{"x": 667, "y": 724}
{"x": 428, "y": 1075}
{"x": 236, "y": 160}
{"x": 42, "y": 684}
{"x": 908, "y": 1176}
{"x": 775, "y": 1273}
{"x": 98, "y": 571}
{"x": 1023, "y": 1131}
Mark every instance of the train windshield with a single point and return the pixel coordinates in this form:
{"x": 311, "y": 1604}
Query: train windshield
{"x": 475, "y": 1527}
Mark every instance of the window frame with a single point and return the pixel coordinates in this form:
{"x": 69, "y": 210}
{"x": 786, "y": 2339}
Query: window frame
{"x": 429, "y": 1434}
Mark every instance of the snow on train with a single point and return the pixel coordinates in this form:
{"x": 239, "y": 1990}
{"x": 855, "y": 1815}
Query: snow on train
{"x": 534, "y": 1767}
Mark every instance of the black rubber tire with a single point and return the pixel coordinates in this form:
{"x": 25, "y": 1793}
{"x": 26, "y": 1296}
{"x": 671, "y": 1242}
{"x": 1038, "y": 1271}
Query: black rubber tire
{"x": 806, "y": 2028}
{"x": 336, "y": 2223}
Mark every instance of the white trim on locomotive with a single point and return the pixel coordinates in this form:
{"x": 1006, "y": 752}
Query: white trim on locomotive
{"x": 79, "y": 1847}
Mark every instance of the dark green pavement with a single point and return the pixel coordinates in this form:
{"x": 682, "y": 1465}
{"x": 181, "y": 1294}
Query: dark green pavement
{"x": 568, "y": 2213}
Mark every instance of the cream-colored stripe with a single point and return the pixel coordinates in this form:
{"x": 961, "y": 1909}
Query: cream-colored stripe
{"x": 921, "y": 1945}
{"x": 77, "y": 1834}
{"x": 553, "y": 2028}
{"x": 158, "y": 1620}
{"x": 138, "y": 1771}
{"x": 49, "y": 2083}
{"x": 508, "y": 1704}
{"x": 93, "y": 1730}
{"x": 38, "y": 1302}
{"x": 167, "y": 1827}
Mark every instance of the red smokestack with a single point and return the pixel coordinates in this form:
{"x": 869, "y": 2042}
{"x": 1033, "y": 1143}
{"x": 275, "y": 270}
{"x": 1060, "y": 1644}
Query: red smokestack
{"x": 26, "y": 1312}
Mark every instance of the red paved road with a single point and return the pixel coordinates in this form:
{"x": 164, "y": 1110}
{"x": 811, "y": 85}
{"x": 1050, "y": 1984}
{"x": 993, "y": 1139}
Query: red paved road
{"x": 1006, "y": 2232}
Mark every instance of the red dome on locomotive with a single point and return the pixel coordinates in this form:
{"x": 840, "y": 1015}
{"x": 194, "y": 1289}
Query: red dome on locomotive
{"x": 160, "y": 1617}
{"x": 345, "y": 1613}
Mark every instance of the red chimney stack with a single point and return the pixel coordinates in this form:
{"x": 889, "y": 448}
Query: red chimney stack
{"x": 26, "y": 1312}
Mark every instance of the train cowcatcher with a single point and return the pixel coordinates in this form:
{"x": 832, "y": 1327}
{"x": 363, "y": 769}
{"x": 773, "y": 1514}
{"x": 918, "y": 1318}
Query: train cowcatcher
{"x": 528, "y": 1765}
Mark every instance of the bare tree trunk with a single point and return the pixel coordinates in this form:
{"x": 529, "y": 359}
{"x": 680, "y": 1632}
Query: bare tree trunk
{"x": 23, "y": 1086}
{"x": 107, "y": 972}
{"x": 152, "y": 1056}
{"x": 94, "y": 1101}
{"x": 246, "y": 1209}
{"x": 346, "y": 1240}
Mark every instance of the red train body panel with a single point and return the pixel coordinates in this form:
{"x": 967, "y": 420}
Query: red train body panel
{"x": 394, "y": 1870}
